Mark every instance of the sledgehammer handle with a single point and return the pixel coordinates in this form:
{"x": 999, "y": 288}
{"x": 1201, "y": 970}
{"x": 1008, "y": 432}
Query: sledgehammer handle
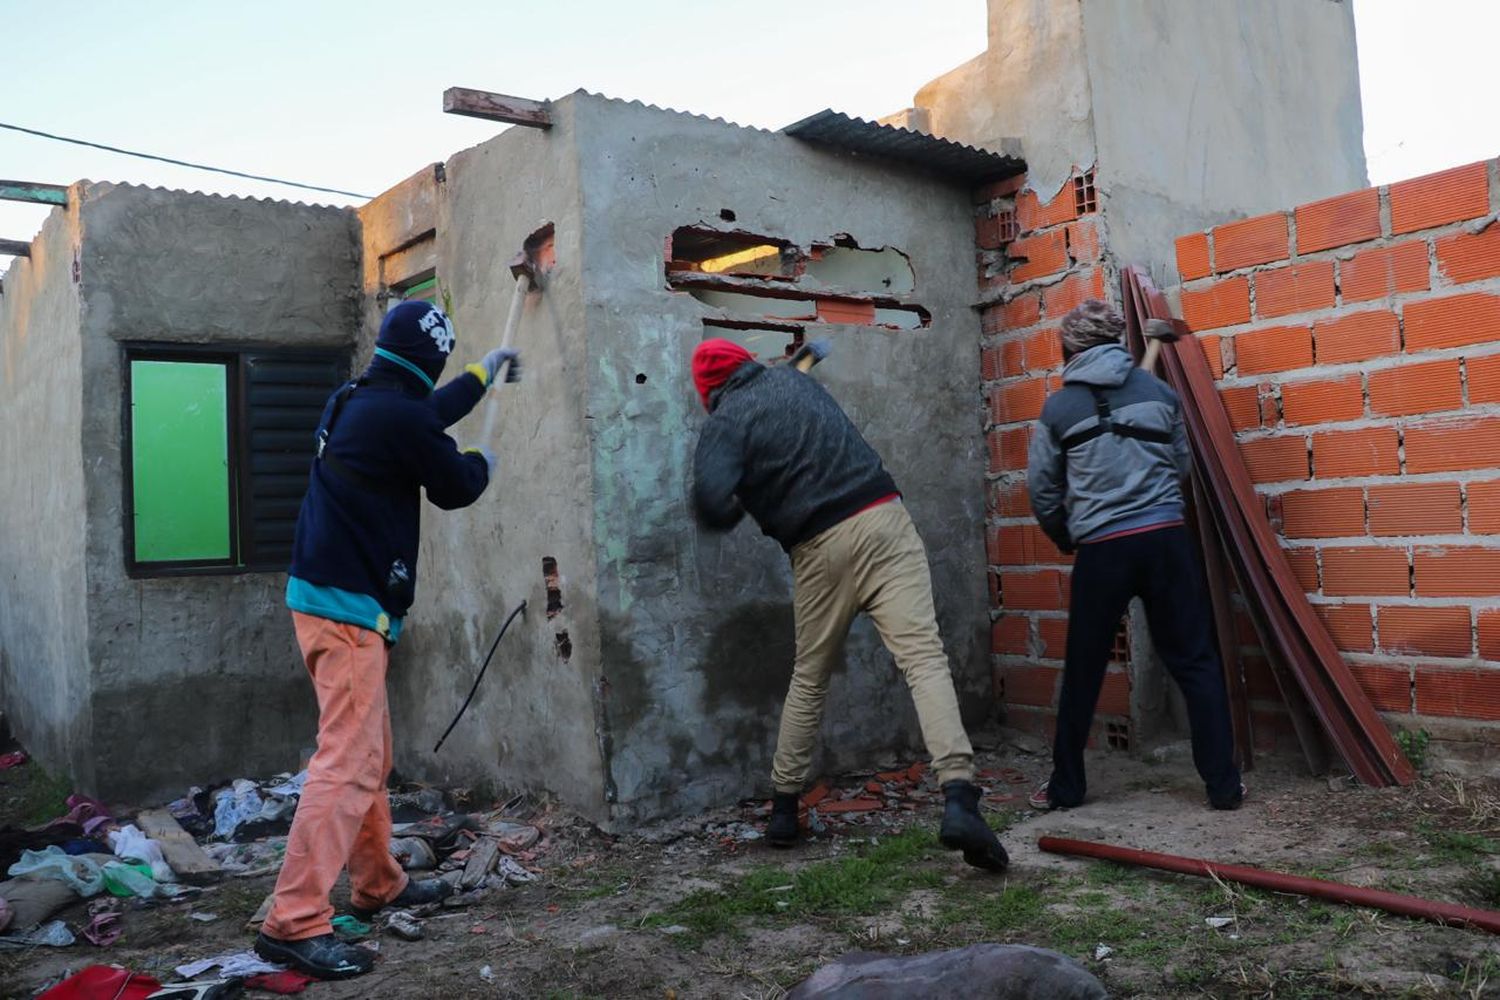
{"x": 512, "y": 320}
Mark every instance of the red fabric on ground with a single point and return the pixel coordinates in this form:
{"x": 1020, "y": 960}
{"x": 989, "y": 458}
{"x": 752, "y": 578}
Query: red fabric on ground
{"x": 280, "y": 982}
{"x": 103, "y": 982}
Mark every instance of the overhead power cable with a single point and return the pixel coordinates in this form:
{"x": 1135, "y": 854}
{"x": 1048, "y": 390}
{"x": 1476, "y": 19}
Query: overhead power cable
{"x": 182, "y": 163}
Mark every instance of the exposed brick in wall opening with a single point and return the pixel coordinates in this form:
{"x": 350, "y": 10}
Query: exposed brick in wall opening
{"x": 1085, "y": 198}
{"x": 552, "y": 581}
{"x": 1356, "y": 341}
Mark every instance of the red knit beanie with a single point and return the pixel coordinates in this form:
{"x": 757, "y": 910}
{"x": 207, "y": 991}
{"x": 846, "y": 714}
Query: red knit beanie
{"x": 713, "y": 362}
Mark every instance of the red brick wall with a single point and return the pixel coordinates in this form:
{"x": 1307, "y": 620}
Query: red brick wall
{"x": 1357, "y": 341}
{"x": 1036, "y": 261}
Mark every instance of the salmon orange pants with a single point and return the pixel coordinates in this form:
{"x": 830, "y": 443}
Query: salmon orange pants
{"x": 344, "y": 816}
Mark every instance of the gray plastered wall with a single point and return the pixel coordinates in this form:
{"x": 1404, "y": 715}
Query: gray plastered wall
{"x": 44, "y": 681}
{"x": 1194, "y": 113}
{"x": 696, "y": 628}
{"x": 532, "y": 723}
{"x": 193, "y": 679}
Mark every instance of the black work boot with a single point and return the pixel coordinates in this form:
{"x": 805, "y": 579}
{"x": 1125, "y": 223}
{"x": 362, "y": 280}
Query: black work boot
{"x": 965, "y": 830}
{"x": 781, "y": 831}
{"x": 429, "y": 890}
{"x": 322, "y": 957}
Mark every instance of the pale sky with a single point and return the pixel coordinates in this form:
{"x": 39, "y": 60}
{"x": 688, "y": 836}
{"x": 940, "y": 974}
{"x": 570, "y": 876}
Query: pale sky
{"x": 348, "y": 95}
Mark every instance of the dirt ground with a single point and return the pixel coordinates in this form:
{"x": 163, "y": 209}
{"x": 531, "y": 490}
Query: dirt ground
{"x": 694, "y": 909}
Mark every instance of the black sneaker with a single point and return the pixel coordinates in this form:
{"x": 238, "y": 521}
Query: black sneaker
{"x": 428, "y": 890}
{"x": 781, "y": 831}
{"x": 965, "y": 830}
{"x": 1233, "y": 803}
{"x": 322, "y": 957}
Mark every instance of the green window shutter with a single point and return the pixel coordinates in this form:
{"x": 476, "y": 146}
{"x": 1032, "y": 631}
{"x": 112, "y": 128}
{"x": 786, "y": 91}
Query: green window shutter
{"x": 427, "y": 291}
{"x": 179, "y": 453}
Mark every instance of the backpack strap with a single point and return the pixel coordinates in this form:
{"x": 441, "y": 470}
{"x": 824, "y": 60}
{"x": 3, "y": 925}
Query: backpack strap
{"x": 1106, "y": 425}
{"x": 336, "y": 465}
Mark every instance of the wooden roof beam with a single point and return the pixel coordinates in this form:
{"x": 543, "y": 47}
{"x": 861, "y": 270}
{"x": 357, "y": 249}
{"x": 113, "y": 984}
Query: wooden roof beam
{"x": 497, "y": 107}
{"x": 15, "y": 248}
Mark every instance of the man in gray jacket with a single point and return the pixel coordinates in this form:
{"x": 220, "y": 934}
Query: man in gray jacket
{"x": 776, "y": 445}
{"x": 1107, "y": 464}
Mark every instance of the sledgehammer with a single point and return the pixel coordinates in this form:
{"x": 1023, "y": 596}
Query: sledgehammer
{"x": 1157, "y": 333}
{"x": 808, "y": 355}
{"x": 524, "y": 267}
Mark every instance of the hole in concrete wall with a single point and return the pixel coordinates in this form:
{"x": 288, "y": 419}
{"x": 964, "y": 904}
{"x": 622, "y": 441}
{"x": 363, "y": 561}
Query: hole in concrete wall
{"x": 726, "y": 215}
{"x": 1085, "y": 198}
{"x": 846, "y": 265}
{"x": 640, "y": 378}
{"x": 709, "y": 251}
{"x": 562, "y": 645}
{"x": 754, "y": 280}
{"x": 553, "y": 583}
{"x": 541, "y": 247}
{"x": 1117, "y": 735}
{"x": 768, "y": 341}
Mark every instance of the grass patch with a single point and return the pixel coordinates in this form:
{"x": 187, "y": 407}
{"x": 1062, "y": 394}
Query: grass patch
{"x": 855, "y": 886}
{"x": 35, "y": 796}
{"x": 1456, "y": 846}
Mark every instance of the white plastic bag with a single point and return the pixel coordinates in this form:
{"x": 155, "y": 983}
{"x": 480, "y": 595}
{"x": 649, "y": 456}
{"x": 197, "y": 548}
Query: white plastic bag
{"x": 130, "y": 844}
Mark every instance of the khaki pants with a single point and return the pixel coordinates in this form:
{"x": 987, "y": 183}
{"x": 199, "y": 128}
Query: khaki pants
{"x": 873, "y": 562}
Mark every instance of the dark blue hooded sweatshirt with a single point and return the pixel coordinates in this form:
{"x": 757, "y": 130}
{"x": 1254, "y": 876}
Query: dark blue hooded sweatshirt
{"x": 354, "y": 557}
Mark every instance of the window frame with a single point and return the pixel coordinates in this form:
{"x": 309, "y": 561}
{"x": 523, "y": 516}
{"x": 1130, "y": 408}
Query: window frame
{"x": 237, "y": 416}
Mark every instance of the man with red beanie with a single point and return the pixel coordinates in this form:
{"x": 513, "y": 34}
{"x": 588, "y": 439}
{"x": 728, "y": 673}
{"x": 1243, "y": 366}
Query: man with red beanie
{"x": 382, "y": 443}
{"x": 777, "y": 446}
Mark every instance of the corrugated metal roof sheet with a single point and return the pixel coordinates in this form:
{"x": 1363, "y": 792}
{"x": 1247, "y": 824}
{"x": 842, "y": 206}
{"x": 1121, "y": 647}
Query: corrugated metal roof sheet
{"x": 943, "y": 156}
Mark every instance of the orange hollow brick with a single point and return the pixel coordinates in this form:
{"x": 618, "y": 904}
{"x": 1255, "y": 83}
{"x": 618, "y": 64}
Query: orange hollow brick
{"x": 1356, "y": 337}
{"x": 1410, "y": 389}
{"x": 1323, "y": 401}
{"x": 1366, "y": 571}
{"x": 1222, "y": 303}
{"x": 1466, "y": 693}
{"x": 1437, "y": 199}
{"x": 1247, "y": 242}
{"x": 1415, "y": 509}
{"x": 1460, "y": 571}
{"x": 1294, "y": 289}
{"x": 1276, "y": 349}
{"x": 1426, "y": 631}
{"x": 1333, "y": 222}
{"x": 1380, "y": 272}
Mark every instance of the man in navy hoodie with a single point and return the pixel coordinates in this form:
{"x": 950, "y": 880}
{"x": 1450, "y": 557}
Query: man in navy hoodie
{"x": 382, "y": 441}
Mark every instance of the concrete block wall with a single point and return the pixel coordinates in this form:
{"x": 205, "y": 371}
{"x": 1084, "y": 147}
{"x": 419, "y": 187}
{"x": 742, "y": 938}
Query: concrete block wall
{"x": 1357, "y": 344}
{"x": 1037, "y": 260}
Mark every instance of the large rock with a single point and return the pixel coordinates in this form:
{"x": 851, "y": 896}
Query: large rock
{"x": 978, "y": 972}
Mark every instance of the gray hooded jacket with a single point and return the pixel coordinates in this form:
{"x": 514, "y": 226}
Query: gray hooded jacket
{"x": 1093, "y": 473}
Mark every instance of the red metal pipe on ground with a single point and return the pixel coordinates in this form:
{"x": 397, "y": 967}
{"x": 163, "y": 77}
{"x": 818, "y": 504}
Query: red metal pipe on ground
{"x": 1353, "y": 895}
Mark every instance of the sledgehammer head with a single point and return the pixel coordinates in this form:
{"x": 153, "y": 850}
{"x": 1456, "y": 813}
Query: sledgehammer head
{"x": 809, "y": 354}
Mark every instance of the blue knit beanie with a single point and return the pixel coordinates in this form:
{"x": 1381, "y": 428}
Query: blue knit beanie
{"x": 420, "y": 333}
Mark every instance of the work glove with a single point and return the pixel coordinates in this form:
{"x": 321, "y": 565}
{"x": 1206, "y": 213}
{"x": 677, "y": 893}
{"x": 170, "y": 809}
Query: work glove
{"x": 487, "y": 455}
{"x": 492, "y": 361}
